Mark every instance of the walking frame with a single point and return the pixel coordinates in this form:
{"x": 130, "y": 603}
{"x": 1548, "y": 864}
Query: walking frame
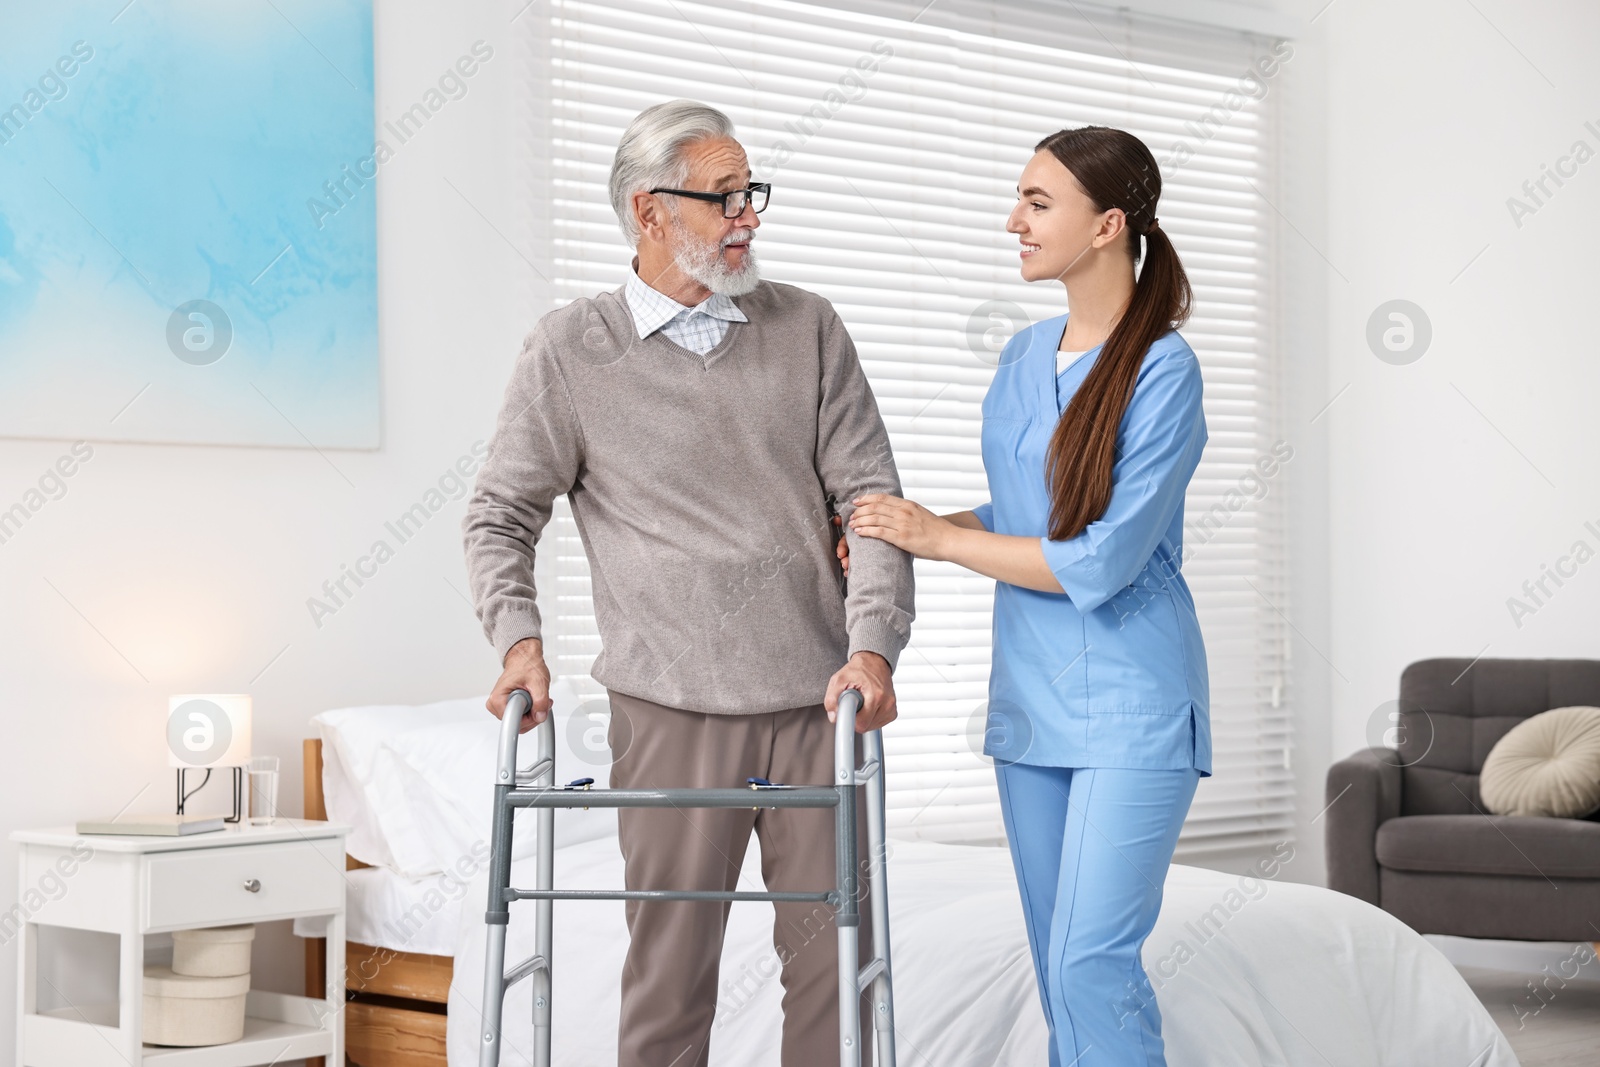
{"x": 534, "y": 787}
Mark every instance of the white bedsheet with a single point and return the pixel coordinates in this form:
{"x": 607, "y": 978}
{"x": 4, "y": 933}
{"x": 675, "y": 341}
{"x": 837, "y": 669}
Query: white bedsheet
{"x": 1281, "y": 975}
{"x": 389, "y": 910}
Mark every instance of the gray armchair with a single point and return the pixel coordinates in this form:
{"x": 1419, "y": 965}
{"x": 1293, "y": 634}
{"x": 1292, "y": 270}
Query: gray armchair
{"x": 1407, "y": 831}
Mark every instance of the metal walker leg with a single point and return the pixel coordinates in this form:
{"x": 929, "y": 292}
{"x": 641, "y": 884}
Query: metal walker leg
{"x": 877, "y": 970}
{"x": 496, "y": 979}
{"x": 534, "y": 787}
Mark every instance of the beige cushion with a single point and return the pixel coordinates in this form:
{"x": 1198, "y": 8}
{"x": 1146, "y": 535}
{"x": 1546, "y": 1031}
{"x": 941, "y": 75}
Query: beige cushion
{"x": 1548, "y": 765}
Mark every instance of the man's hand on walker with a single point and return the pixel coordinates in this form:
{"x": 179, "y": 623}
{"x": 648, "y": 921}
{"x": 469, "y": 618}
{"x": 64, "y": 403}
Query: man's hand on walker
{"x": 524, "y": 669}
{"x": 868, "y": 672}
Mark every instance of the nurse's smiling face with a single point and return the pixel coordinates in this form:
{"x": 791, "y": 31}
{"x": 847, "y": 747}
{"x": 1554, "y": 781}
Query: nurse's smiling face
{"x": 1057, "y": 223}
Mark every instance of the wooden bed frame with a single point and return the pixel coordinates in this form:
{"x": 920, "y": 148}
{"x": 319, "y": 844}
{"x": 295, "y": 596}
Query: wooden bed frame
{"x": 394, "y": 1001}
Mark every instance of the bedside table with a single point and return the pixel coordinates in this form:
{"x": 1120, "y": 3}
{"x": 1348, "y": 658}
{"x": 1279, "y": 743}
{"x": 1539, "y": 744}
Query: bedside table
{"x": 131, "y": 886}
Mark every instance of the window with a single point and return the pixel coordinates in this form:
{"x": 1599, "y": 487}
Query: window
{"x": 894, "y": 145}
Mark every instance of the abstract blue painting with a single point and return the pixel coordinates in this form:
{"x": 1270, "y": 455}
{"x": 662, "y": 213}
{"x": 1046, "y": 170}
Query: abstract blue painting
{"x": 188, "y": 223}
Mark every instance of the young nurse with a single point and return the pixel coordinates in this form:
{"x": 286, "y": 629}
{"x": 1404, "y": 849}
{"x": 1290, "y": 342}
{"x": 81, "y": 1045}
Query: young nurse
{"x": 1098, "y": 717}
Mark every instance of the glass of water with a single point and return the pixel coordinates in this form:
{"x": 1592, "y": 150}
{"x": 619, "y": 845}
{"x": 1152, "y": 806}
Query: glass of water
{"x": 263, "y": 789}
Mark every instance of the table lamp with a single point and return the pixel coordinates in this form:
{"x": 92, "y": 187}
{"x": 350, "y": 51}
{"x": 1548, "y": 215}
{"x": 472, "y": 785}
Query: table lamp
{"x": 209, "y": 730}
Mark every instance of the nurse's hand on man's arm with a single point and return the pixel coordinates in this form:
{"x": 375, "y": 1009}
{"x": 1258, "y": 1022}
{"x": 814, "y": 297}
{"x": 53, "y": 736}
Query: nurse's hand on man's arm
{"x": 524, "y": 669}
{"x": 907, "y": 525}
{"x": 959, "y": 538}
{"x": 967, "y": 520}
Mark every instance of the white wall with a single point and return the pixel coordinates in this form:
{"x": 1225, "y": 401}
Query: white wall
{"x": 1304, "y": 343}
{"x": 1454, "y": 478}
{"x": 187, "y": 569}
{"x": 1424, "y": 494}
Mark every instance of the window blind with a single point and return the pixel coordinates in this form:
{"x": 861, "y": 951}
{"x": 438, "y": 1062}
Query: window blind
{"x": 894, "y": 139}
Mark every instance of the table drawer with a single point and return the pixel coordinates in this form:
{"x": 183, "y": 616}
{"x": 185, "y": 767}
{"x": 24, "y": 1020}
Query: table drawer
{"x": 212, "y": 886}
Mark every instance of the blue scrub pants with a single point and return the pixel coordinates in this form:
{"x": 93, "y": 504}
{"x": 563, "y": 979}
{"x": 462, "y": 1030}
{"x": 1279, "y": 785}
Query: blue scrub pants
{"x": 1091, "y": 847}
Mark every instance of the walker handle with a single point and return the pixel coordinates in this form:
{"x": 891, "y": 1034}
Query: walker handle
{"x": 844, "y": 735}
{"x": 518, "y": 704}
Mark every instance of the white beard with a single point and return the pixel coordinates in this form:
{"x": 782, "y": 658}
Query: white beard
{"x": 703, "y": 262}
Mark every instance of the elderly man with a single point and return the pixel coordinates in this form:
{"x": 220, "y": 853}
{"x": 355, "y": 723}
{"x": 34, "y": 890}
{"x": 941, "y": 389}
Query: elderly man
{"x": 700, "y": 419}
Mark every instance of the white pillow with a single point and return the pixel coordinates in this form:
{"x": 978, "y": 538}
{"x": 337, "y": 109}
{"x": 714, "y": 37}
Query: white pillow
{"x": 448, "y": 783}
{"x": 358, "y": 787}
{"x": 418, "y": 782}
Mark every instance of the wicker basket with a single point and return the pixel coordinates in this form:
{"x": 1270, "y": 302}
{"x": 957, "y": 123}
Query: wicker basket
{"x": 190, "y": 1010}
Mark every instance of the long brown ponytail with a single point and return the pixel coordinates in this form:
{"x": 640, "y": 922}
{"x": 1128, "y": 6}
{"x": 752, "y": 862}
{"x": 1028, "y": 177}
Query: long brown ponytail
{"x": 1116, "y": 170}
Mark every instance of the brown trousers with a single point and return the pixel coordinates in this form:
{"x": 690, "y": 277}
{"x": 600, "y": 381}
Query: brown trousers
{"x": 669, "y": 982}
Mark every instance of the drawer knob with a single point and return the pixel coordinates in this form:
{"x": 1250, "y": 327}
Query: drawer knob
{"x": 253, "y": 885}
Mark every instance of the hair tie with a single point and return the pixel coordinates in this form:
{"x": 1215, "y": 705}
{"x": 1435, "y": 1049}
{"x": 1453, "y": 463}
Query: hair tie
{"x": 1154, "y": 225}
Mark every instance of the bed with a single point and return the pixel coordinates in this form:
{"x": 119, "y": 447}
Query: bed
{"x": 397, "y": 985}
{"x": 1248, "y": 971}
{"x": 411, "y": 783}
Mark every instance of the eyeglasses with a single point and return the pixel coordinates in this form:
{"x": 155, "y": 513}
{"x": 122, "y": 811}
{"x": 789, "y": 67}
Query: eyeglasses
{"x": 733, "y": 204}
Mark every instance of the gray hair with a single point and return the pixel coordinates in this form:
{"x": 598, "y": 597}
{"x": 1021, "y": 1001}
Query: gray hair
{"x": 650, "y": 154}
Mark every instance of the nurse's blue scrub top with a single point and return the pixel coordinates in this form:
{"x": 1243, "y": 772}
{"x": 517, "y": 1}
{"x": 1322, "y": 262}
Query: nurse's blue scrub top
{"x": 1112, "y": 672}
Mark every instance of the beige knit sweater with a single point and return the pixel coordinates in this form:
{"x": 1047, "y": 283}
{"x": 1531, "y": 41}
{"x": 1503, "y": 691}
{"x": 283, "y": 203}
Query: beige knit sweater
{"x": 701, "y": 488}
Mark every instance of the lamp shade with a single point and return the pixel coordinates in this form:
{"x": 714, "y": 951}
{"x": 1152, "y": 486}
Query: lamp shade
{"x": 208, "y": 730}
